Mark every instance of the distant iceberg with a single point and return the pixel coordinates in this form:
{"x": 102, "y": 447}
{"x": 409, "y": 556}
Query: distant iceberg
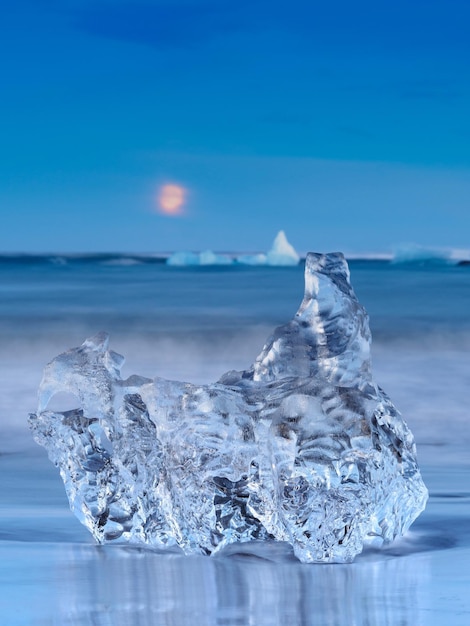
{"x": 211, "y": 258}
{"x": 412, "y": 254}
{"x": 282, "y": 253}
{"x": 181, "y": 259}
{"x": 252, "y": 259}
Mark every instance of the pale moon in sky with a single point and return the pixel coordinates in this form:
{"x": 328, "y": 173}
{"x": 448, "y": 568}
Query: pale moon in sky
{"x": 171, "y": 199}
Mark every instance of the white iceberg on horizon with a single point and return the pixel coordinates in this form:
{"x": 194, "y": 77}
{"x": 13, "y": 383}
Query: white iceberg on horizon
{"x": 183, "y": 259}
{"x": 282, "y": 252}
{"x": 414, "y": 254}
{"x": 211, "y": 258}
{"x": 252, "y": 259}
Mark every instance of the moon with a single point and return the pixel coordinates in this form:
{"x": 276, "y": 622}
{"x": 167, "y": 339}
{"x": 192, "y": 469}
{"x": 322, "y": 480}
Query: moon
{"x": 171, "y": 199}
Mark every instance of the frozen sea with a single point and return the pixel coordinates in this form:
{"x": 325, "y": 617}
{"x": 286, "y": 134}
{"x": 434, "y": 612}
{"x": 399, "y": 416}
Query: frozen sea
{"x": 194, "y": 324}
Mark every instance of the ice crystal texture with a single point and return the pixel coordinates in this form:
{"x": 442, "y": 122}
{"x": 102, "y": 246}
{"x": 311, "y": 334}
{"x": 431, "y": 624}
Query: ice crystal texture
{"x": 303, "y": 447}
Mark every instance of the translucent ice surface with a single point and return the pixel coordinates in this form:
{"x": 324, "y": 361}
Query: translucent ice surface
{"x": 302, "y": 447}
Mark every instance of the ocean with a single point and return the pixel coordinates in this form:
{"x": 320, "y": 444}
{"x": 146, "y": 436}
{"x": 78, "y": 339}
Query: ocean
{"x": 193, "y": 324}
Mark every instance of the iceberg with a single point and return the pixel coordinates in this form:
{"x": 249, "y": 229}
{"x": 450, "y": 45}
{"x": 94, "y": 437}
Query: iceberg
{"x": 412, "y": 254}
{"x": 211, "y": 258}
{"x": 252, "y": 259}
{"x": 303, "y": 447}
{"x": 182, "y": 259}
{"x": 282, "y": 253}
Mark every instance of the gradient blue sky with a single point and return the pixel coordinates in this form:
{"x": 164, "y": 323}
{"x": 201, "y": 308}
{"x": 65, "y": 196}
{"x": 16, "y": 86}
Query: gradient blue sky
{"x": 345, "y": 123}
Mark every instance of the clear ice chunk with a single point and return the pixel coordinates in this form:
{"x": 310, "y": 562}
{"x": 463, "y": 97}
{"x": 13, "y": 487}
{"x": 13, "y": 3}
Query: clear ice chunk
{"x": 303, "y": 447}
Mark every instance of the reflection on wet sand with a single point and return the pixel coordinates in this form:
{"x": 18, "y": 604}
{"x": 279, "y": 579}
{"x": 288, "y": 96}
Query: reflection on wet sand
{"x": 118, "y": 586}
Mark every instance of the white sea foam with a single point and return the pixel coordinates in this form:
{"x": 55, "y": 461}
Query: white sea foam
{"x": 410, "y": 370}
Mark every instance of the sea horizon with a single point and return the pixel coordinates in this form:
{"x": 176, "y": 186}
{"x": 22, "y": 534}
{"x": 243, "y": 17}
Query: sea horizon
{"x": 404, "y": 254}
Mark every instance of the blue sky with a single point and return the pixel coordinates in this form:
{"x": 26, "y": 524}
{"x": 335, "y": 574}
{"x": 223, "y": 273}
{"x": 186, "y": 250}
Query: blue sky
{"x": 344, "y": 123}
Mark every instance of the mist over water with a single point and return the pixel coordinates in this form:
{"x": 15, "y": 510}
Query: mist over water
{"x": 196, "y": 323}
